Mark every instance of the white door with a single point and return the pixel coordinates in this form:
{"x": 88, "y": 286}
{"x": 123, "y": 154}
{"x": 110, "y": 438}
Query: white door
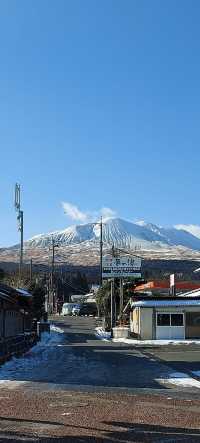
{"x": 170, "y": 326}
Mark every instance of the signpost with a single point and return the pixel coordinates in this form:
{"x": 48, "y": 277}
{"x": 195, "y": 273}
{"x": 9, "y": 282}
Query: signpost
{"x": 172, "y": 285}
{"x": 121, "y": 267}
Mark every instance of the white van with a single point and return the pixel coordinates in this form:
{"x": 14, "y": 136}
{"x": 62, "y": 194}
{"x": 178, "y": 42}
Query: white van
{"x": 67, "y": 308}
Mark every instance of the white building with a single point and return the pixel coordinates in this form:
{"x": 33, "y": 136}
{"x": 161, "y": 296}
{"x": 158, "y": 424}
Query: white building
{"x": 166, "y": 318}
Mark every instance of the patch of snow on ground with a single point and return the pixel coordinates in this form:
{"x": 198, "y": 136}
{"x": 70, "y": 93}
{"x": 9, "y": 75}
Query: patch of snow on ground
{"x": 56, "y": 329}
{"x": 179, "y": 379}
{"x": 131, "y": 341}
{"x": 197, "y": 373}
{"x": 18, "y": 367}
{"x": 103, "y": 335}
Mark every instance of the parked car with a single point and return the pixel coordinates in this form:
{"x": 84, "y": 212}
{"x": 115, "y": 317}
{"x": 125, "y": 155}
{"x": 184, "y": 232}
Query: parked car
{"x": 67, "y": 308}
{"x": 88, "y": 309}
{"x": 76, "y": 310}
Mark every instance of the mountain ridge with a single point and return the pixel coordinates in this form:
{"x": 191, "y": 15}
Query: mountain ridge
{"x": 79, "y": 244}
{"x": 116, "y": 231}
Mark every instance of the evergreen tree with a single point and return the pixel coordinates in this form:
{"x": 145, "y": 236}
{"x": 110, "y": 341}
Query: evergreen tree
{"x": 2, "y": 274}
{"x": 38, "y": 294}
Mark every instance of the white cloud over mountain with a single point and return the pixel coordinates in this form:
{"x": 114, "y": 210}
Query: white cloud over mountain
{"x": 74, "y": 213}
{"x": 107, "y": 213}
{"x": 192, "y": 229}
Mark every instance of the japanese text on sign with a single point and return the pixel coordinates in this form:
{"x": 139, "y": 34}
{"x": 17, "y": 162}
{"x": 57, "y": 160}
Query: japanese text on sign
{"x": 126, "y": 266}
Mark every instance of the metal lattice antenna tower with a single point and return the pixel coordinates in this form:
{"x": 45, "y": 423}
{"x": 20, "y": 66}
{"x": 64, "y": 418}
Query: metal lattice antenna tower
{"x": 20, "y": 219}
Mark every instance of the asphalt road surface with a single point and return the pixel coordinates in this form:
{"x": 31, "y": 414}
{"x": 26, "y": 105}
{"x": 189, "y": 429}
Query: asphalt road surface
{"x": 81, "y": 360}
{"x": 80, "y": 389}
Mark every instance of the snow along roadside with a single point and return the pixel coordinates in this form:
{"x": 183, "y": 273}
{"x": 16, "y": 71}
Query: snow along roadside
{"x": 131, "y": 341}
{"x": 18, "y": 367}
{"x": 179, "y": 379}
{"x": 101, "y": 334}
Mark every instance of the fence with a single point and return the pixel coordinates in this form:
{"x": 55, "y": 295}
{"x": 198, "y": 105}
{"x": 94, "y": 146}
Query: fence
{"x": 17, "y": 345}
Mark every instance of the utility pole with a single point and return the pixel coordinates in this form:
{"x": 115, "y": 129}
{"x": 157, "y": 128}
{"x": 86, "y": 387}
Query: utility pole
{"x": 101, "y": 251}
{"x": 21, "y": 229}
{"x": 100, "y": 248}
{"x": 112, "y": 287}
{"x": 31, "y": 270}
{"x": 121, "y": 298}
{"x": 20, "y": 219}
{"x": 51, "y": 301}
{"x": 111, "y": 303}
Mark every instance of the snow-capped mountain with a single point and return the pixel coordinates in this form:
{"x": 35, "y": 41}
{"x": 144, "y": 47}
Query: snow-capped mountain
{"x": 71, "y": 235}
{"x": 192, "y": 229}
{"x": 120, "y": 233}
{"x": 176, "y": 235}
{"x": 79, "y": 245}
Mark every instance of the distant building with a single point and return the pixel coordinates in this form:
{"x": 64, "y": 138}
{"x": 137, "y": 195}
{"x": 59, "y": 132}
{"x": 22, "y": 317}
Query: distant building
{"x": 83, "y": 298}
{"x": 155, "y": 287}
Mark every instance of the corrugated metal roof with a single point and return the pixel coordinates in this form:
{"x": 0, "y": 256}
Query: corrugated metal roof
{"x": 157, "y": 303}
{"x": 156, "y": 285}
{"x": 195, "y": 293}
{"x": 7, "y": 297}
{"x": 23, "y": 292}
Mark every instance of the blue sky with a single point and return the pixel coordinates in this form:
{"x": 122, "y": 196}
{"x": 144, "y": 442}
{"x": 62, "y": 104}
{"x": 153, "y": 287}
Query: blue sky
{"x": 99, "y": 107}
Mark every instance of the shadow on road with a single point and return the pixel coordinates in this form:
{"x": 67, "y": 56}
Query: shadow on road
{"x": 126, "y": 432}
{"x": 24, "y": 420}
{"x": 82, "y": 359}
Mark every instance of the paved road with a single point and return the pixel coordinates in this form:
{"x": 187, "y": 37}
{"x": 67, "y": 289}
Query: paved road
{"x": 77, "y": 389}
{"x": 83, "y": 360}
{"x": 80, "y": 359}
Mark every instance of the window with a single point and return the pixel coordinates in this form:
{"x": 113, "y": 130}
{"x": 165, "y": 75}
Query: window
{"x": 170, "y": 319}
{"x": 163, "y": 319}
{"x": 176, "y": 319}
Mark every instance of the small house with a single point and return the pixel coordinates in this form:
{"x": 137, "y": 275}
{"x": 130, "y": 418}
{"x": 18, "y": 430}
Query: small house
{"x": 15, "y": 315}
{"x": 166, "y": 317}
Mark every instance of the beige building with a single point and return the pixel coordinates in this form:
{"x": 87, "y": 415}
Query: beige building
{"x": 177, "y": 318}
